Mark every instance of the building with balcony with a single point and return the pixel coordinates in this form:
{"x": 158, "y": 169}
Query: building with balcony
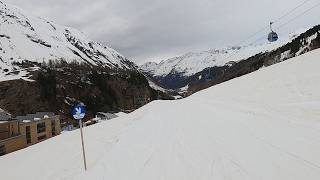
{"x": 39, "y": 126}
{"x": 10, "y": 137}
{"x": 23, "y": 131}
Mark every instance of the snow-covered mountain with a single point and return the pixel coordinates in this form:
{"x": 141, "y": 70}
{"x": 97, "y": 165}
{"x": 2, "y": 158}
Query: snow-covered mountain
{"x": 177, "y": 72}
{"x": 149, "y": 67}
{"x": 193, "y": 62}
{"x": 261, "y": 126}
{"x": 26, "y": 37}
{"x": 48, "y": 67}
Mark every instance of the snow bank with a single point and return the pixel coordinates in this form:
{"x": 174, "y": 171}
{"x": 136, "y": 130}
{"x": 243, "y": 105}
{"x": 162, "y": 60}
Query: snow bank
{"x": 264, "y": 125}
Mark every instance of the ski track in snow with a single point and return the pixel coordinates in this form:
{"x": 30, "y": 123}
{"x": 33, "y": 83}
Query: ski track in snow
{"x": 261, "y": 126}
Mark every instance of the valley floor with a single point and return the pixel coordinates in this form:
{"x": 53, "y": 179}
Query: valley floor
{"x": 262, "y": 126}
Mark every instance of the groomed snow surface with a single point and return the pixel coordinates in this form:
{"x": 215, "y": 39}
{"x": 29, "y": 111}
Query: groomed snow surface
{"x": 262, "y": 126}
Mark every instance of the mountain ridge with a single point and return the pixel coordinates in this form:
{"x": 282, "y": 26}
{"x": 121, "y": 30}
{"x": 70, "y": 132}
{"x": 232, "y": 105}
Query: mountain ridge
{"x": 26, "y": 37}
{"x": 48, "y": 67}
{"x": 193, "y": 69}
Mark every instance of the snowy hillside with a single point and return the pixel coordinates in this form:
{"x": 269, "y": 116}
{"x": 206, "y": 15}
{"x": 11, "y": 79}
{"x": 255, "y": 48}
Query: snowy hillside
{"x": 149, "y": 67}
{"x": 26, "y": 37}
{"x": 199, "y": 70}
{"x": 194, "y": 62}
{"x": 264, "y": 125}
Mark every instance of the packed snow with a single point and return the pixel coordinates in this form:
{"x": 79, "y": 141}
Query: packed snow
{"x": 261, "y": 126}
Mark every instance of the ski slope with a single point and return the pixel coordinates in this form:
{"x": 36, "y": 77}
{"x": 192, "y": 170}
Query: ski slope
{"x": 262, "y": 126}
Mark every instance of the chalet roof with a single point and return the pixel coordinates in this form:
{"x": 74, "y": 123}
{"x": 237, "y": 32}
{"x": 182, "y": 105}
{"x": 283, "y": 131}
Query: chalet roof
{"x": 31, "y": 117}
{"x": 4, "y": 116}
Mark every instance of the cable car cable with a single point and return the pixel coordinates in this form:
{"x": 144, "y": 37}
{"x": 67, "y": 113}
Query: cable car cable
{"x": 291, "y": 11}
{"x": 297, "y": 16}
{"x": 277, "y": 20}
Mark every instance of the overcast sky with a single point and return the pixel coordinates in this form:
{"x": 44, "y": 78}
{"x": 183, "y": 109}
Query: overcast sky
{"x": 153, "y": 30}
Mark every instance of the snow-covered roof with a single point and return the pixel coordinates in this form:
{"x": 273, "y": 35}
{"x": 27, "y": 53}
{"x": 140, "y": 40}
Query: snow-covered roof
{"x": 4, "y": 116}
{"x": 36, "y": 116}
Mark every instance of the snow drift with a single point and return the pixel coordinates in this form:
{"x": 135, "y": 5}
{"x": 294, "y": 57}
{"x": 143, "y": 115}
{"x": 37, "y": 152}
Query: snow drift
{"x": 264, "y": 125}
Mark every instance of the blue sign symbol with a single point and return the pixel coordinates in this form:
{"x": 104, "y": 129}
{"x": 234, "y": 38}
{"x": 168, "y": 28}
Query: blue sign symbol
{"x": 78, "y": 112}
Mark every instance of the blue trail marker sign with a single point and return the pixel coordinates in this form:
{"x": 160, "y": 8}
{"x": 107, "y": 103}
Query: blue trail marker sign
{"x": 78, "y": 113}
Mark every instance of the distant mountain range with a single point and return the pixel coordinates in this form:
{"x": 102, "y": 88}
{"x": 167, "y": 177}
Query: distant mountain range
{"x": 197, "y": 70}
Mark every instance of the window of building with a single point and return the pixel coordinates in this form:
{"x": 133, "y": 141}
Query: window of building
{"x": 12, "y": 130}
{"x": 28, "y": 134}
{"x": 40, "y": 138}
{"x": 41, "y": 127}
{"x": 53, "y": 128}
{"x": 2, "y": 150}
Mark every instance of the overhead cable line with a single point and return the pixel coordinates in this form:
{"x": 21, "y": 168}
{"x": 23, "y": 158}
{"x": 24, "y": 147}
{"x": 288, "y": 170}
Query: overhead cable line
{"x": 277, "y": 20}
{"x": 291, "y": 11}
{"x": 297, "y": 16}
